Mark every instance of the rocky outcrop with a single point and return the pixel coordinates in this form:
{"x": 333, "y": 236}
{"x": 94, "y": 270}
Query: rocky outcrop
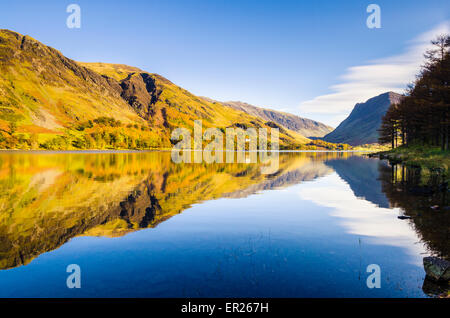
{"x": 435, "y": 289}
{"x": 139, "y": 90}
{"x": 437, "y": 268}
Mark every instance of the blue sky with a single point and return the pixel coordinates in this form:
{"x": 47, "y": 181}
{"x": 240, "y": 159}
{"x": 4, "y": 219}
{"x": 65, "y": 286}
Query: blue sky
{"x": 304, "y": 57}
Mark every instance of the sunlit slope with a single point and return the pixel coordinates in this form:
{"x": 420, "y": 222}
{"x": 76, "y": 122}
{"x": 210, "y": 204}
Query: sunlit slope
{"x": 41, "y": 90}
{"x": 165, "y": 104}
{"x": 116, "y": 71}
{"x": 45, "y": 200}
{"x": 50, "y": 101}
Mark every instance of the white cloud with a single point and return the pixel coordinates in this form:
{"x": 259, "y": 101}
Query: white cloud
{"x": 379, "y": 76}
{"x": 363, "y": 218}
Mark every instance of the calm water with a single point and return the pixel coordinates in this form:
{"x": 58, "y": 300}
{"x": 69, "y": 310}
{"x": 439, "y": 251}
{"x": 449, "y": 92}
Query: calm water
{"x": 139, "y": 225}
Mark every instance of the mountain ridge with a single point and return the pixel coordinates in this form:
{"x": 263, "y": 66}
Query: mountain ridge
{"x": 304, "y": 126}
{"x": 52, "y": 102}
{"x": 361, "y": 126}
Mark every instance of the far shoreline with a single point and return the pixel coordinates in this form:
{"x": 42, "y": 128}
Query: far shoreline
{"x": 101, "y": 151}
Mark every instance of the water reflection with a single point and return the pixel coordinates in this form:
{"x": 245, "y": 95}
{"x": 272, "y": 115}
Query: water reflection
{"x": 362, "y": 175}
{"x": 424, "y": 199}
{"x": 320, "y": 207}
{"x": 46, "y": 199}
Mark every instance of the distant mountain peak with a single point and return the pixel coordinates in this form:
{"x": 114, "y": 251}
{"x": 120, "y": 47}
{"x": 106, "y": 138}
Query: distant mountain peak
{"x": 361, "y": 126}
{"x": 395, "y": 97}
{"x": 304, "y": 126}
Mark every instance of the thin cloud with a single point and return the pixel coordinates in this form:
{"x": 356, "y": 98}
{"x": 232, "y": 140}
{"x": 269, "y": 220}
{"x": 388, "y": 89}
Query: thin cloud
{"x": 379, "y": 76}
{"x": 363, "y": 218}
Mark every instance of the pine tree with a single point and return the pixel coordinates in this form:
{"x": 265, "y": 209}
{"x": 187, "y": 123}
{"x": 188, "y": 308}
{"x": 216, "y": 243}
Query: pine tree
{"x": 422, "y": 117}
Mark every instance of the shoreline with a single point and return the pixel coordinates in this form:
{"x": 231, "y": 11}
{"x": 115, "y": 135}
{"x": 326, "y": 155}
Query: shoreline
{"x": 427, "y": 160}
{"x": 94, "y": 151}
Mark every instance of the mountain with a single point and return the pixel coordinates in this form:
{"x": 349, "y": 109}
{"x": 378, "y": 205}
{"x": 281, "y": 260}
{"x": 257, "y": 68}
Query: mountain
{"x": 361, "y": 126}
{"x": 52, "y": 102}
{"x": 303, "y": 126}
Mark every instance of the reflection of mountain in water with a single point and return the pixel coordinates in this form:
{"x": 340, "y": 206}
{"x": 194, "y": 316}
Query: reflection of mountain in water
{"x": 307, "y": 172}
{"x": 362, "y": 175}
{"x": 397, "y": 186}
{"x": 47, "y": 199}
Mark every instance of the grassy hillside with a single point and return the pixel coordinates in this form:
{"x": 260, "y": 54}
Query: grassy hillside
{"x": 163, "y": 103}
{"x": 116, "y": 71}
{"x": 48, "y": 101}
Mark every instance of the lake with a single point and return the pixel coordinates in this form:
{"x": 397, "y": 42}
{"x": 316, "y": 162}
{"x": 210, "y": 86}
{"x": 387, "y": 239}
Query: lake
{"x": 139, "y": 225}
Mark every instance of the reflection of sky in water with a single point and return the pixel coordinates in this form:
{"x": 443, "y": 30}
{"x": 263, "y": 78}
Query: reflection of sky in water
{"x": 293, "y": 238}
{"x": 361, "y": 217}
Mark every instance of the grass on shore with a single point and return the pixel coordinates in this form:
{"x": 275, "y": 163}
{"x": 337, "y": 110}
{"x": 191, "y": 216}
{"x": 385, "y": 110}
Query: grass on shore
{"x": 371, "y": 147}
{"x": 425, "y": 157}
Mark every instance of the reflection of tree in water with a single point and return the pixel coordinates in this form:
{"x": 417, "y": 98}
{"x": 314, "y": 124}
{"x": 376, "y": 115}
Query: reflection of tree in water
{"x": 424, "y": 199}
